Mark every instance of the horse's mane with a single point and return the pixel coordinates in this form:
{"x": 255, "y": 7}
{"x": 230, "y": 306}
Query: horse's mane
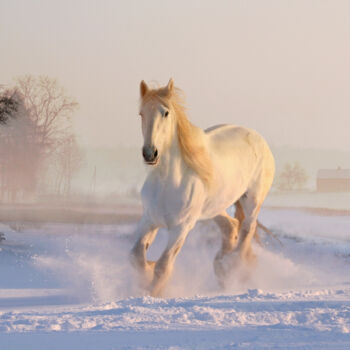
{"x": 189, "y": 137}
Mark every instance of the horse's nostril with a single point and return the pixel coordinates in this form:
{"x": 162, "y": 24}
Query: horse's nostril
{"x": 149, "y": 153}
{"x": 144, "y": 153}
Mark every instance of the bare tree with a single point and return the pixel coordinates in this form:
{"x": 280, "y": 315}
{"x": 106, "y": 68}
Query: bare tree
{"x": 48, "y": 112}
{"x": 37, "y": 115}
{"x": 67, "y": 160}
{"x": 49, "y": 106}
{"x": 293, "y": 176}
{"x": 19, "y": 153}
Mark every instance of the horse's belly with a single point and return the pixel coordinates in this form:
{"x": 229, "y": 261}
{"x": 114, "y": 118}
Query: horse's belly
{"x": 218, "y": 203}
{"x": 232, "y": 180}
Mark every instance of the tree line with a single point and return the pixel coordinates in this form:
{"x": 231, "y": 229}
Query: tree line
{"x": 39, "y": 153}
{"x": 292, "y": 177}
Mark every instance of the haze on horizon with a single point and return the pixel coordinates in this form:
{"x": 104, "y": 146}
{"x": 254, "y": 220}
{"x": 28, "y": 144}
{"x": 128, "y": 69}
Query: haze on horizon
{"x": 282, "y": 68}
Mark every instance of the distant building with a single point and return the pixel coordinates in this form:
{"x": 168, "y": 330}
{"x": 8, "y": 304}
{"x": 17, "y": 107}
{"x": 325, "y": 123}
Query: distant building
{"x": 333, "y": 180}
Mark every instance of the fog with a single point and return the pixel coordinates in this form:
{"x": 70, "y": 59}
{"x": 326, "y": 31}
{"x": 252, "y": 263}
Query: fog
{"x": 278, "y": 67}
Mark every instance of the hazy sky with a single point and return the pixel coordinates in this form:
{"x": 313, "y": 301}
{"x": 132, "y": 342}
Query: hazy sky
{"x": 280, "y": 67}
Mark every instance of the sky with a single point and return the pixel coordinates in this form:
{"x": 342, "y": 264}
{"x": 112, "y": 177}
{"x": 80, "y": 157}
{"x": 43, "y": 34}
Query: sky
{"x": 280, "y": 67}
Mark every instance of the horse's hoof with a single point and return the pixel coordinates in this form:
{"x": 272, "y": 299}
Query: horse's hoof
{"x": 156, "y": 292}
{"x": 222, "y": 282}
{"x": 249, "y": 258}
{"x": 220, "y": 277}
{"x": 252, "y": 259}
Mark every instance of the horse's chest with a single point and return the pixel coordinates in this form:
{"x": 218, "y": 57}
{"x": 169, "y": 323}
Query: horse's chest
{"x": 168, "y": 205}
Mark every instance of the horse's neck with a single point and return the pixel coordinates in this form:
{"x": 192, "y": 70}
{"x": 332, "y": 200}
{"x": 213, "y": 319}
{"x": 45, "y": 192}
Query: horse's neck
{"x": 171, "y": 165}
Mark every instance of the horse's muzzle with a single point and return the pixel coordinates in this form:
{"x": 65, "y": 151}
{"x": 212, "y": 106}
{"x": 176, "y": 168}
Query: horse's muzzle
{"x": 150, "y": 154}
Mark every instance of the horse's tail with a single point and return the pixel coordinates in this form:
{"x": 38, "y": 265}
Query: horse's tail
{"x": 264, "y": 228}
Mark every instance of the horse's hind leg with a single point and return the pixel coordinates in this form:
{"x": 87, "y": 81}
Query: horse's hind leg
{"x": 251, "y": 205}
{"x": 146, "y": 234}
{"x": 229, "y": 228}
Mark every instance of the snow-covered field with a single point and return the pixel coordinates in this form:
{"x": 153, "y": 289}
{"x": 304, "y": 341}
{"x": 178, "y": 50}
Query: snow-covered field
{"x": 68, "y": 286}
{"x": 309, "y": 199}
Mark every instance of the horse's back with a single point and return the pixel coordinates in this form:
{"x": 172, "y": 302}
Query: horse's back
{"x": 237, "y": 149}
{"x": 225, "y": 138}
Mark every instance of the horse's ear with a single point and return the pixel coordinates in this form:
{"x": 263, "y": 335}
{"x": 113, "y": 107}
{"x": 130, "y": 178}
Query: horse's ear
{"x": 143, "y": 88}
{"x": 170, "y": 85}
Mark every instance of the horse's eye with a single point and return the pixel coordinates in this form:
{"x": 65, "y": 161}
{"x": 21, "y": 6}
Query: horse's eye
{"x": 166, "y": 113}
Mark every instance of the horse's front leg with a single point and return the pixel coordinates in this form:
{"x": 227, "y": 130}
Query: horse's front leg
{"x": 146, "y": 233}
{"x": 164, "y": 266}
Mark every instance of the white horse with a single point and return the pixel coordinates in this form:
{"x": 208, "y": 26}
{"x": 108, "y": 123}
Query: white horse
{"x": 196, "y": 175}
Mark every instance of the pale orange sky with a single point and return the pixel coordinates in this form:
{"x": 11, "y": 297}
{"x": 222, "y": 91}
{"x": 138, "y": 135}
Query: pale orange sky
{"x": 280, "y": 67}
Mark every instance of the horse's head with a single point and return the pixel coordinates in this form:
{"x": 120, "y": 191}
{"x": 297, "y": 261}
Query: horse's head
{"x": 158, "y": 123}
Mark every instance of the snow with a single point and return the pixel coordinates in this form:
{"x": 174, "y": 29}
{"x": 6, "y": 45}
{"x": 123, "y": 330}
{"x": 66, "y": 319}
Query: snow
{"x": 70, "y": 286}
{"x": 323, "y": 310}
